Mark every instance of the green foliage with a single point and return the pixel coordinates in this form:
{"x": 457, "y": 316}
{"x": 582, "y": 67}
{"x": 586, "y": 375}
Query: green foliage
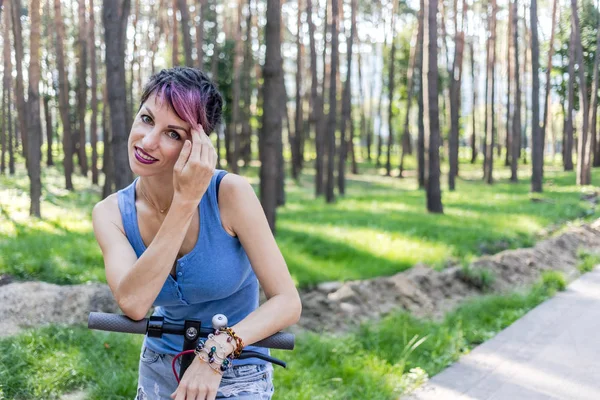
{"x": 554, "y": 281}
{"x": 588, "y": 20}
{"x": 587, "y": 261}
{"x": 482, "y": 278}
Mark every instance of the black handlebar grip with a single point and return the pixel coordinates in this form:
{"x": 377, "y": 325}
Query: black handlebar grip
{"x": 116, "y": 323}
{"x": 280, "y": 340}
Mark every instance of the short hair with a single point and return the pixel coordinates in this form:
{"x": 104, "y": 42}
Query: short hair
{"x": 190, "y": 94}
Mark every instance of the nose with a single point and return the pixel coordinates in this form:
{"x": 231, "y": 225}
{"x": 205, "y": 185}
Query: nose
{"x": 151, "y": 139}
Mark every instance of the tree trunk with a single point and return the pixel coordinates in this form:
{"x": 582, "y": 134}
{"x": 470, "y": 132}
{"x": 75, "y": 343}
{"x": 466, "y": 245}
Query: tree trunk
{"x": 549, "y": 69}
{"x": 537, "y": 136}
{"x": 114, "y": 17}
{"x": 406, "y": 144}
{"x": 107, "y": 159}
{"x": 346, "y": 106}
{"x": 6, "y": 89}
{"x": 455, "y": 95}
{"x": 185, "y": 31}
{"x": 583, "y": 164}
{"x": 201, "y": 10}
{"x": 316, "y": 115}
{"x": 63, "y": 94}
{"x": 509, "y": 86}
{"x": 432, "y": 127}
{"x": 516, "y": 125}
{"x": 19, "y": 89}
{"x": 94, "y": 94}
{"x": 175, "y": 37}
{"x": 568, "y": 129}
{"x": 490, "y": 125}
{"x": 391, "y": 89}
{"x": 82, "y": 87}
{"x": 474, "y": 133}
{"x": 296, "y": 138}
{"x": 35, "y": 122}
{"x": 270, "y": 136}
{"x": 420, "y": 99}
{"x": 591, "y": 147}
{"x": 331, "y": 117}
{"x": 524, "y": 144}
{"x": 246, "y": 89}
{"x": 233, "y": 134}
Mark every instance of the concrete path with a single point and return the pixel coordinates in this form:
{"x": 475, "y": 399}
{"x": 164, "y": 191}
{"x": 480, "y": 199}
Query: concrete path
{"x": 553, "y": 352}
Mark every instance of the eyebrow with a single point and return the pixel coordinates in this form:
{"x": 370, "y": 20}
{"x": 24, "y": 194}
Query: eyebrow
{"x": 168, "y": 126}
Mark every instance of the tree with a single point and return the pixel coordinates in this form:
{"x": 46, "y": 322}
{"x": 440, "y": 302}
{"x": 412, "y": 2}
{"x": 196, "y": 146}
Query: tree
{"x": 93, "y": 94}
{"x": 232, "y": 138}
{"x": 346, "y": 106}
{"x": 474, "y": 133}
{"x": 549, "y": 69}
{"x": 201, "y": 10}
{"x": 298, "y": 122}
{"x": 6, "y": 94}
{"x": 591, "y": 146}
{"x": 114, "y": 18}
{"x": 406, "y": 145}
{"x": 331, "y": 117}
{"x": 537, "y": 138}
{"x": 490, "y": 117}
{"x": 19, "y": 89}
{"x": 63, "y": 94}
{"x": 270, "y": 136}
{"x": 516, "y": 123}
{"x": 185, "y": 31}
{"x": 430, "y": 104}
{"x": 391, "y": 89}
{"x": 420, "y": 100}
{"x": 583, "y": 161}
{"x": 82, "y": 87}
{"x": 455, "y": 93}
{"x": 35, "y": 123}
{"x": 568, "y": 129}
{"x": 174, "y": 37}
{"x": 509, "y": 81}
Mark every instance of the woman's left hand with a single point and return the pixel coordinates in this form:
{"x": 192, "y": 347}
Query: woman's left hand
{"x": 200, "y": 382}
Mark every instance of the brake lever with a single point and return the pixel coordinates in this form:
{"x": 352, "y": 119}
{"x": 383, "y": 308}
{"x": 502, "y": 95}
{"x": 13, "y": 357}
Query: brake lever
{"x": 254, "y": 354}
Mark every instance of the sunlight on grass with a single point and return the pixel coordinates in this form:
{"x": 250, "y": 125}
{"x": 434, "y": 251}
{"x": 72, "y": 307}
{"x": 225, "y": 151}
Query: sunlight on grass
{"x": 380, "y": 227}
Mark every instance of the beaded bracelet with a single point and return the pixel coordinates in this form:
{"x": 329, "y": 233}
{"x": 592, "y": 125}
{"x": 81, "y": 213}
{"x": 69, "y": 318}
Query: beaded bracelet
{"x": 233, "y": 336}
{"x": 213, "y": 357}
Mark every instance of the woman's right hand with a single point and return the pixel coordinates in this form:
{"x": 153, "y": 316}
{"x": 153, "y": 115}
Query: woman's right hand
{"x": 194, "y": 169}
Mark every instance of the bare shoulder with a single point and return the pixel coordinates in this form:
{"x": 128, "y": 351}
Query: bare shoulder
{"x": 106, "y": 212}
{"x": 236, "y": 199}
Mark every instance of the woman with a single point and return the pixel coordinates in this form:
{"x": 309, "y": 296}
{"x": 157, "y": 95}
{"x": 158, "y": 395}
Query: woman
{"x": 194, "y": 243}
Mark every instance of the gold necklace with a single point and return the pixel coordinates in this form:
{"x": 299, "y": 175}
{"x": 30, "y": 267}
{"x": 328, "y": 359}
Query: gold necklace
{"x": 151, "y": 203}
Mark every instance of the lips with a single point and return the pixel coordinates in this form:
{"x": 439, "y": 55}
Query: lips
{"x": 144, "y": 157}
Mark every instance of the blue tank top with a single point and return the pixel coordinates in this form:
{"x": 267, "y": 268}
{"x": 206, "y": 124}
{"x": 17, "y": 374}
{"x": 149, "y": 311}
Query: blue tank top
{"x": 215, "y": 277}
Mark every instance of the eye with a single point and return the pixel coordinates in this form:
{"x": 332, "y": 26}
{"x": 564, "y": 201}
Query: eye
{"x": 146, "y": 119}
{"x": 174, "y": 135}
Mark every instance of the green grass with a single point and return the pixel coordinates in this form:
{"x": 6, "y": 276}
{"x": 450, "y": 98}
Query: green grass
{"x": 587, "y": 261}
{"x": 379, "y": 227}
{"x": 377, "y": 361}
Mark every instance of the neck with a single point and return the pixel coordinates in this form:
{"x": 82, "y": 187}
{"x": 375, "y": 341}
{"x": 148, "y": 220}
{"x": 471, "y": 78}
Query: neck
{"x": 158, "y": 190}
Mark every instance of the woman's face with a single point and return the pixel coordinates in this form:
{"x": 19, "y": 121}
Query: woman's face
{"x": 156, "y": 138}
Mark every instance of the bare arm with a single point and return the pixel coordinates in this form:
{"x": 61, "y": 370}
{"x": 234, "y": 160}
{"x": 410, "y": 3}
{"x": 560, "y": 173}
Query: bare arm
{"x": 135, "y": 283}
{"x": 240, "y": 205}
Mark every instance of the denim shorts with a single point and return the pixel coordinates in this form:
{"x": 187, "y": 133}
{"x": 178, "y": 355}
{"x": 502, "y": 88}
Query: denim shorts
{"x": 245, "y": 382}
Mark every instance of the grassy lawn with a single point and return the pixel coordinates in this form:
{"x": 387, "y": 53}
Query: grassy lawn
{"x": 373, "y": 362}
{"x": 379, "y": 227}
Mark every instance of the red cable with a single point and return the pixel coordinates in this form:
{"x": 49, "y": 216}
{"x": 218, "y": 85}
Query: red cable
{"x": 175, "y": 359}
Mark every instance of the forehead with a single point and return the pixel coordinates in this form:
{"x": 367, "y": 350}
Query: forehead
{"x": 161, "y": 109}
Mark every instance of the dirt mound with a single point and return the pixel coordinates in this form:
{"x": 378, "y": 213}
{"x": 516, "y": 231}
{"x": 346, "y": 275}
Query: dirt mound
{"x": 426, "y": 292}
{"x": 31, "y": 304}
